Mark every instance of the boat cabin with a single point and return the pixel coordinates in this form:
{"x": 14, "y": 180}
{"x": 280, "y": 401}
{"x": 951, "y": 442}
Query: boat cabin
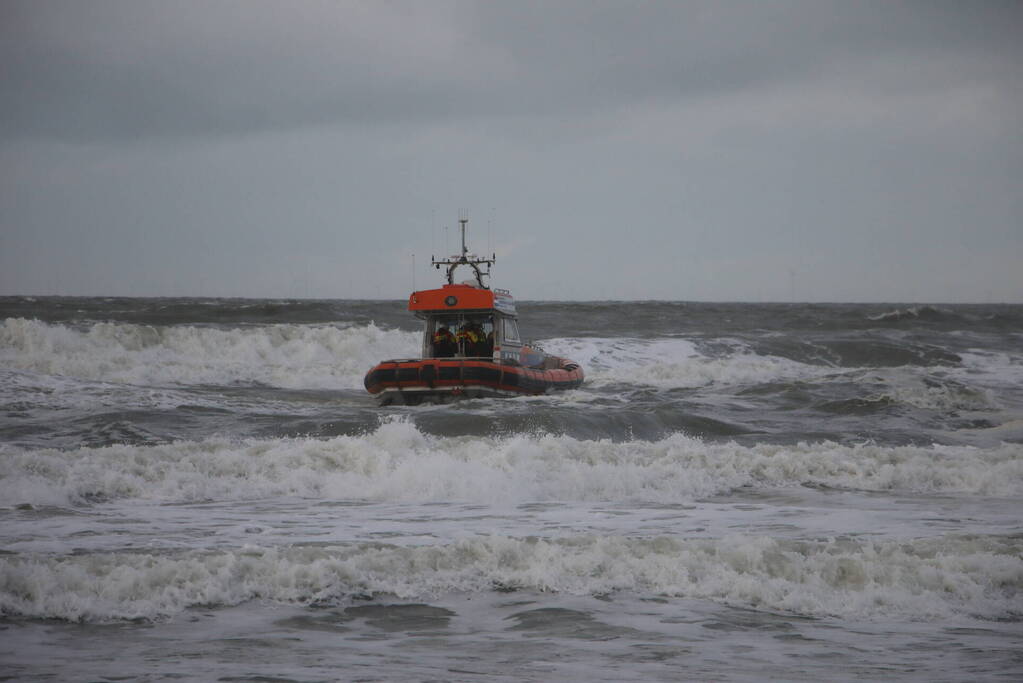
{"x": 468, "y": 321}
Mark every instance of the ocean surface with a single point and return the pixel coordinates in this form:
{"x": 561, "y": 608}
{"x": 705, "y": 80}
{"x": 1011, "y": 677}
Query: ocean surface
{"x": 201, "y": 489}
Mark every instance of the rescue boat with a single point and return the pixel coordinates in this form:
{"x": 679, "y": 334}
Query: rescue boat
{"x": 471, "y": 345}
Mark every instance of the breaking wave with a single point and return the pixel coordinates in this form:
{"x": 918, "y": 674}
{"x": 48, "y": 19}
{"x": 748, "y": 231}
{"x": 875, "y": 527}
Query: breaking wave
{"x": 337, "y": 356}
{"x": 907, "y": 386}
{"x": 674, "y": 363}
{"x": 330, "y": 357}
{"x": 924, "y": 578}
{"x": 923, "y": 312}
{"x": 287, "y": 356}
{"x": 398, "y": 462}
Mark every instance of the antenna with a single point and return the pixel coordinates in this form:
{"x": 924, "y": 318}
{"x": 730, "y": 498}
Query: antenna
{"x": 490, "y": 230}
{"x": 465, "y": 258}
{"x": 463, "y": 219}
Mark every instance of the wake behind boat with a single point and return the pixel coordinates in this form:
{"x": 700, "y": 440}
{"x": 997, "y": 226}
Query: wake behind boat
{"x": 471, "y": 346}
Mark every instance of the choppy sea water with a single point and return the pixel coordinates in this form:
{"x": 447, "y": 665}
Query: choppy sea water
{"x": 201, "y": 489}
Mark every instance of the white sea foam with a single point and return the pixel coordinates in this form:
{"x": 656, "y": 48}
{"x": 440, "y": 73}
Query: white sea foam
{"x": 399, "y": 463}
{"x": 926, "y": 578}
{"x": 291, "y": 356}
{"x": 991, "y": 368}
{"x": 30, "y": 392}
{"x": 675, "y": 363}
{"x": 930, "y": 390}
{"x": 922, "y": 311}
{"x": 331, "y": 357}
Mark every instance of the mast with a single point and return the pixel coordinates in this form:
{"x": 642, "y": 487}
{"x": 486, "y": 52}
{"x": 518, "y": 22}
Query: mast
{"x": 466, "y": 258}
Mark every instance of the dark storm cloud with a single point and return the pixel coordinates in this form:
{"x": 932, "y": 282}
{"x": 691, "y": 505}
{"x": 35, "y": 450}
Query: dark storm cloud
{"x": 129, "y": 70}
{"x": 675, "y": 49}
{"x": 112, "y": 70}
{"x": 709, "y": 150}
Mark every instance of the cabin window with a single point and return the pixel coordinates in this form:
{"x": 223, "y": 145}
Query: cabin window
{"x": 442, "y": 337}
{"x": 465, "y": 336}
{"x": 511, "y": 331}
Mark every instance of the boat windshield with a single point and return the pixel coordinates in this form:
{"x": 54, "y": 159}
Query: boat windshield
{"x": 464, "y": 336}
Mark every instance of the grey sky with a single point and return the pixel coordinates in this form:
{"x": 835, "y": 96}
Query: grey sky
{"x": 847, "y": 151}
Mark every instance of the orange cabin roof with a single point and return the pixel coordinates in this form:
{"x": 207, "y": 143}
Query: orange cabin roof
{"x": 451, "y": 298}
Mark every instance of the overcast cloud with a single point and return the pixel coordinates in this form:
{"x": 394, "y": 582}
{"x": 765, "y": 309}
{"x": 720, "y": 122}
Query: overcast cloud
{"x": 845, "y": 151}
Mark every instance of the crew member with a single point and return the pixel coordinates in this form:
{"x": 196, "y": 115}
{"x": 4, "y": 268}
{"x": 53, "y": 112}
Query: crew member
{"x": 443, "y": 343}
{"x": 469, "y": 338}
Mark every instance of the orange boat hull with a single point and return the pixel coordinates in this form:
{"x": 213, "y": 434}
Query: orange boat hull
{"x": 411, "y": 381}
